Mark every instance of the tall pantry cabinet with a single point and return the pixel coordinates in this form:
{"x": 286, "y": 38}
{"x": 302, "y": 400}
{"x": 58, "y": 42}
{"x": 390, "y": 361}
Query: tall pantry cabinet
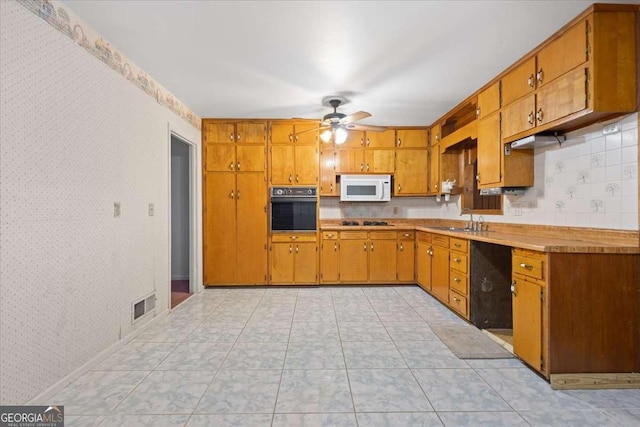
{"x": 235, "y": 202}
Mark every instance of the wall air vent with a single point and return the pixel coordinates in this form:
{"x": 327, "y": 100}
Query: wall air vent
{"x": 143, "y": 307}
{"x": 538, "y": 141}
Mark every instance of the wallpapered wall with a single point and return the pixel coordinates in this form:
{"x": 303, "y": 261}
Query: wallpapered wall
{"x": 75, "y": 137}
{"x": 590, "y": 180}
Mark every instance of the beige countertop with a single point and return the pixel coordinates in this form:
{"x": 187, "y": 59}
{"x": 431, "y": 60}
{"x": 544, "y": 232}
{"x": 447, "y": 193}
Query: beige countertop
{"x": 539, "y": 238}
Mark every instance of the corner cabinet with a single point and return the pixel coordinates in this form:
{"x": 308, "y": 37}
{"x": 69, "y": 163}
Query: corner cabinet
{"x": 586, "y": 73}
{"x": 234, "y": 202}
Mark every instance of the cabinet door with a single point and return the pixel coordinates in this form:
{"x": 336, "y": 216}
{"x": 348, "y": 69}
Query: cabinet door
{"x": 405, "y": 261}
{"x": 330, "y": 261}
{"x": 518, "y": 116}
{"x": 218, "y": 133}
{"x": 562, "y": 55}
{"x": 423, "y": 265}
{"x": 282, "y": 164}
{"x": 519, "y": 82}
{"x": 382, "y": 261}
{"x": 488, "y": 101}
{"x": 489, "y": 150}
{"x": 306, "y": 162}
{"x": 440, "y": 273}
{"x": 353, "y": 260}
{"x": 251, "y": 132}
{"x": 282, "y": 263}
{"x": 251, "y": 204}
{"x": 411, "y": 138}
{"x": 281, "y": 133}
{"x": 355, "y": 138}
{"x": 380, "y": 160}
{"x": 328, "y": 185}
{"x": 563, "y": 96}
{"x": 219, "y": 228}
{"x": 411, "y": 172}
{"x": 527, "y": 322}
{"x": 306, "y": 260}
{"x": 434, "y": 170}
{"x": 350, "y": 160}
{"x": 220, "y": 157}
{"x": 250, "y": 158}
{"x": 386, "y": 139}
{"x": 306, "y": 133}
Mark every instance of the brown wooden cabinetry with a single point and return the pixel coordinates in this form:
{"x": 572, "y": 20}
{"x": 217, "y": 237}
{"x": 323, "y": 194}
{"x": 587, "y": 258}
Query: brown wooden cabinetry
{"x": 586, "y": 73}
{"x": 434, "y": 160}
{"x": 294, "y": 258}
{"x": 440, "y": 267}
{"x": 424, "y": 253}
{"x": 412, "y": 163}
{"x": 367, "y": 152}
{"x": 405, "y": 266}
{"x": 328, "y": 183}
{"x": 294, "y": 156}
{"x": 235, "y": 203}
{"x": 330, "y": 257}
{"x": 459, "y": 276}
{"x": 354, "y": 256}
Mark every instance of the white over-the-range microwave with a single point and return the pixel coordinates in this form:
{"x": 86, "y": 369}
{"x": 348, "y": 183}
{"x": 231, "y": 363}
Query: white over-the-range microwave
{"x": 365, "y": 188}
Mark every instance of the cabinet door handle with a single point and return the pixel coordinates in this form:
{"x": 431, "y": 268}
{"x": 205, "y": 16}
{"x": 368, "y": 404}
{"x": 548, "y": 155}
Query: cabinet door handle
{"x": 513, "y": 288}
{"x": 297, "y": 138}
{"x": 290, "y": 249}
{"x": 539, "y": 76}
{"x": 231, "y": 166}
{"x": 331, "y": 188}
{"x": 297, "y": 178}
{"x": 371, "y": 246}
{"x": 297, "y": 248}
{"x": 527, "y": 266}
{"x": 477, "y": 112}
{"x": 530, "y": 80}
{"x": 399, "y": 188}
{"x": 399, "y": 142}
{"x": 364, "y": 246}
{"x": 368, "y": 142}
{"x": 362, "y": 141}
{"x": 367, "y": 167}
{"x": 238, "y": 195}
{"x": 436, "y": 185}
{"x": 401, "y": 247}
{"x": 232, "y": 195}
{"x": 361, "y": 166}
{"x": 291, "y": 137}
{"x": 231, "y": 137}
{"x": 539, "y": 115}
{"x": 335, "y": 247}
{"x": 530, "y": 118}
{"x": 290, "y": 178}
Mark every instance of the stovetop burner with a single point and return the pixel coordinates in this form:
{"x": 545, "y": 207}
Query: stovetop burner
{"x": 375, "y": 223}
{"x": 350, "y": 223}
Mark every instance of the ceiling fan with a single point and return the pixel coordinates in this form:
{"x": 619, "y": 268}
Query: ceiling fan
{"x": 335, "y": 125}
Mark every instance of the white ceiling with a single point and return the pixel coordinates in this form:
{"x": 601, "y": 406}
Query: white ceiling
{"x": 405, "y": 62}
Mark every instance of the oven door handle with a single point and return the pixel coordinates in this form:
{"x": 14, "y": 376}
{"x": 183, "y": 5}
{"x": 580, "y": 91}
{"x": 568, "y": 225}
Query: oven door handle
{"x": 293, "y": 199}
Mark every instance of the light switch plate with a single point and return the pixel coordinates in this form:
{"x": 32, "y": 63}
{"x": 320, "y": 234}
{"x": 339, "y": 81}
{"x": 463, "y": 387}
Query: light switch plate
{"x": 152, "y": 209}
{"x": 116, "y": 209}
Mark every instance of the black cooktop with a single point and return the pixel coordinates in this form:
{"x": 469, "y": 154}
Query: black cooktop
{"x": 365, "y": 223}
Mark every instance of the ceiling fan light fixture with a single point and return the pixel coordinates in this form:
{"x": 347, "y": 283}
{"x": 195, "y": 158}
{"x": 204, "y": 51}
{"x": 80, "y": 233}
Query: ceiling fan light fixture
{"x": 340, "y": 136}
{"x": 326, "y": 136}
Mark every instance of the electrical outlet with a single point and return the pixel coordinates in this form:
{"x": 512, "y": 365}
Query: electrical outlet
{"x": 152, "y": 209}
{"x": 612, "y": 128}
{"x": 116, "y": 209}
{"x": 395, "y": 210}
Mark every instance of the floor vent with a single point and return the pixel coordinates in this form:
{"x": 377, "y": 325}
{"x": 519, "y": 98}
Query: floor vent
{"x": 143, "y": 307}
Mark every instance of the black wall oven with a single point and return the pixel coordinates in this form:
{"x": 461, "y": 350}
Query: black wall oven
{"x": 294, "y": 208}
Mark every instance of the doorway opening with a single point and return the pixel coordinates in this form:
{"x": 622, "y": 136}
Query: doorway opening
{"x": 181, "y": 201}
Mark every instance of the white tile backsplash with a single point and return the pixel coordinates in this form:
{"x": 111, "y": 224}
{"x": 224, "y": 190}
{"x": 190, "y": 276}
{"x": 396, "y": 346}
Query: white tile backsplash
{"x": 590, "y": 180}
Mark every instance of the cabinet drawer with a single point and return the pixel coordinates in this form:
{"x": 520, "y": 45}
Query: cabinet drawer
{"x": 530, "y": 267}
{"x": 423, "y": 237}
{"x": 353, "y": 235}
{"x": 460, "y": 245}
{"x": 459, "y": 282}
{"x": 383, "y": 235}
{"x": 406, "y": 235}
{"x": 458, "y": 303}
{"x": 293, "y": 237}
{"x": 440, "y": 240}
{"x": 329, "y": 235}
{"x": 458, "y": 262}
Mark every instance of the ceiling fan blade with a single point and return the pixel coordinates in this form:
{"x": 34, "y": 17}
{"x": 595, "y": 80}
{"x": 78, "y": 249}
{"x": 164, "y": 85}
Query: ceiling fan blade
{"x": 369, "y": 128}
{"x": 359, "y": 115}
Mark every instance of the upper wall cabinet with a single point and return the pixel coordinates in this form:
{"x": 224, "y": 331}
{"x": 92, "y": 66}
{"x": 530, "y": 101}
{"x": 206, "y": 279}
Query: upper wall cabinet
{"x": 294, "y": 153}
{"x": 585, "y": 73}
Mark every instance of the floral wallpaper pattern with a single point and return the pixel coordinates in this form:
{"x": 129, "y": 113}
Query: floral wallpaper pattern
{"x": 70, "y": 25}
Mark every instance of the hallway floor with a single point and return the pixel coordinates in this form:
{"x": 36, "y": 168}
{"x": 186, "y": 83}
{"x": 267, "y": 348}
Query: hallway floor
{"x": 327, "y": 356}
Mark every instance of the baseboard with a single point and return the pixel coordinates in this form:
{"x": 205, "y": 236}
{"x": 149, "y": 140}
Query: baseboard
{"x": 594, "y": 381}
{"x": 58, "y": 386}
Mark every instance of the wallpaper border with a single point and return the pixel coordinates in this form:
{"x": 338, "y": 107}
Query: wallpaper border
{"x": 68, "y": 23}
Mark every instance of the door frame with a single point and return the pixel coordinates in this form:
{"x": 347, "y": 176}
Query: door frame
{"x": 194, "y": 277}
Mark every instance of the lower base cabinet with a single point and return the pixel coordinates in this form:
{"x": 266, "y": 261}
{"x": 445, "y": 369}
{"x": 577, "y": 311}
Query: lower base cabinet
{"x": 294, "y": 259}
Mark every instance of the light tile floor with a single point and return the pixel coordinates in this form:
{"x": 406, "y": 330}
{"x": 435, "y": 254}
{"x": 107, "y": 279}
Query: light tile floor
{"x": 322, "y": 356}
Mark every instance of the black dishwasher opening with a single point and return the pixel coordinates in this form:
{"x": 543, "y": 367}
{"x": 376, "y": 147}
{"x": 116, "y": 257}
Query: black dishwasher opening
{"x": 490, "y": 286}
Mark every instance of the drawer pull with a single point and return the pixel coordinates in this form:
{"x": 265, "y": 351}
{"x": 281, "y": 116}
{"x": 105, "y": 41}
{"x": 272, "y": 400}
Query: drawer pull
{"x": 456, "y": 299}
{"x": 293, "y": 237}
{"x": 456, "y": 279}
{"x": 457, "y": 245}
{"x": 527, "y": 266}
{"x": 407, "y": 235}
{"x": 330, "y": 235}
{"x": 457, "y": 260}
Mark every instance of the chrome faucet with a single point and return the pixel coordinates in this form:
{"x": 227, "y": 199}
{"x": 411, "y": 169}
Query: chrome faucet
{"x": 470, "y": 224}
